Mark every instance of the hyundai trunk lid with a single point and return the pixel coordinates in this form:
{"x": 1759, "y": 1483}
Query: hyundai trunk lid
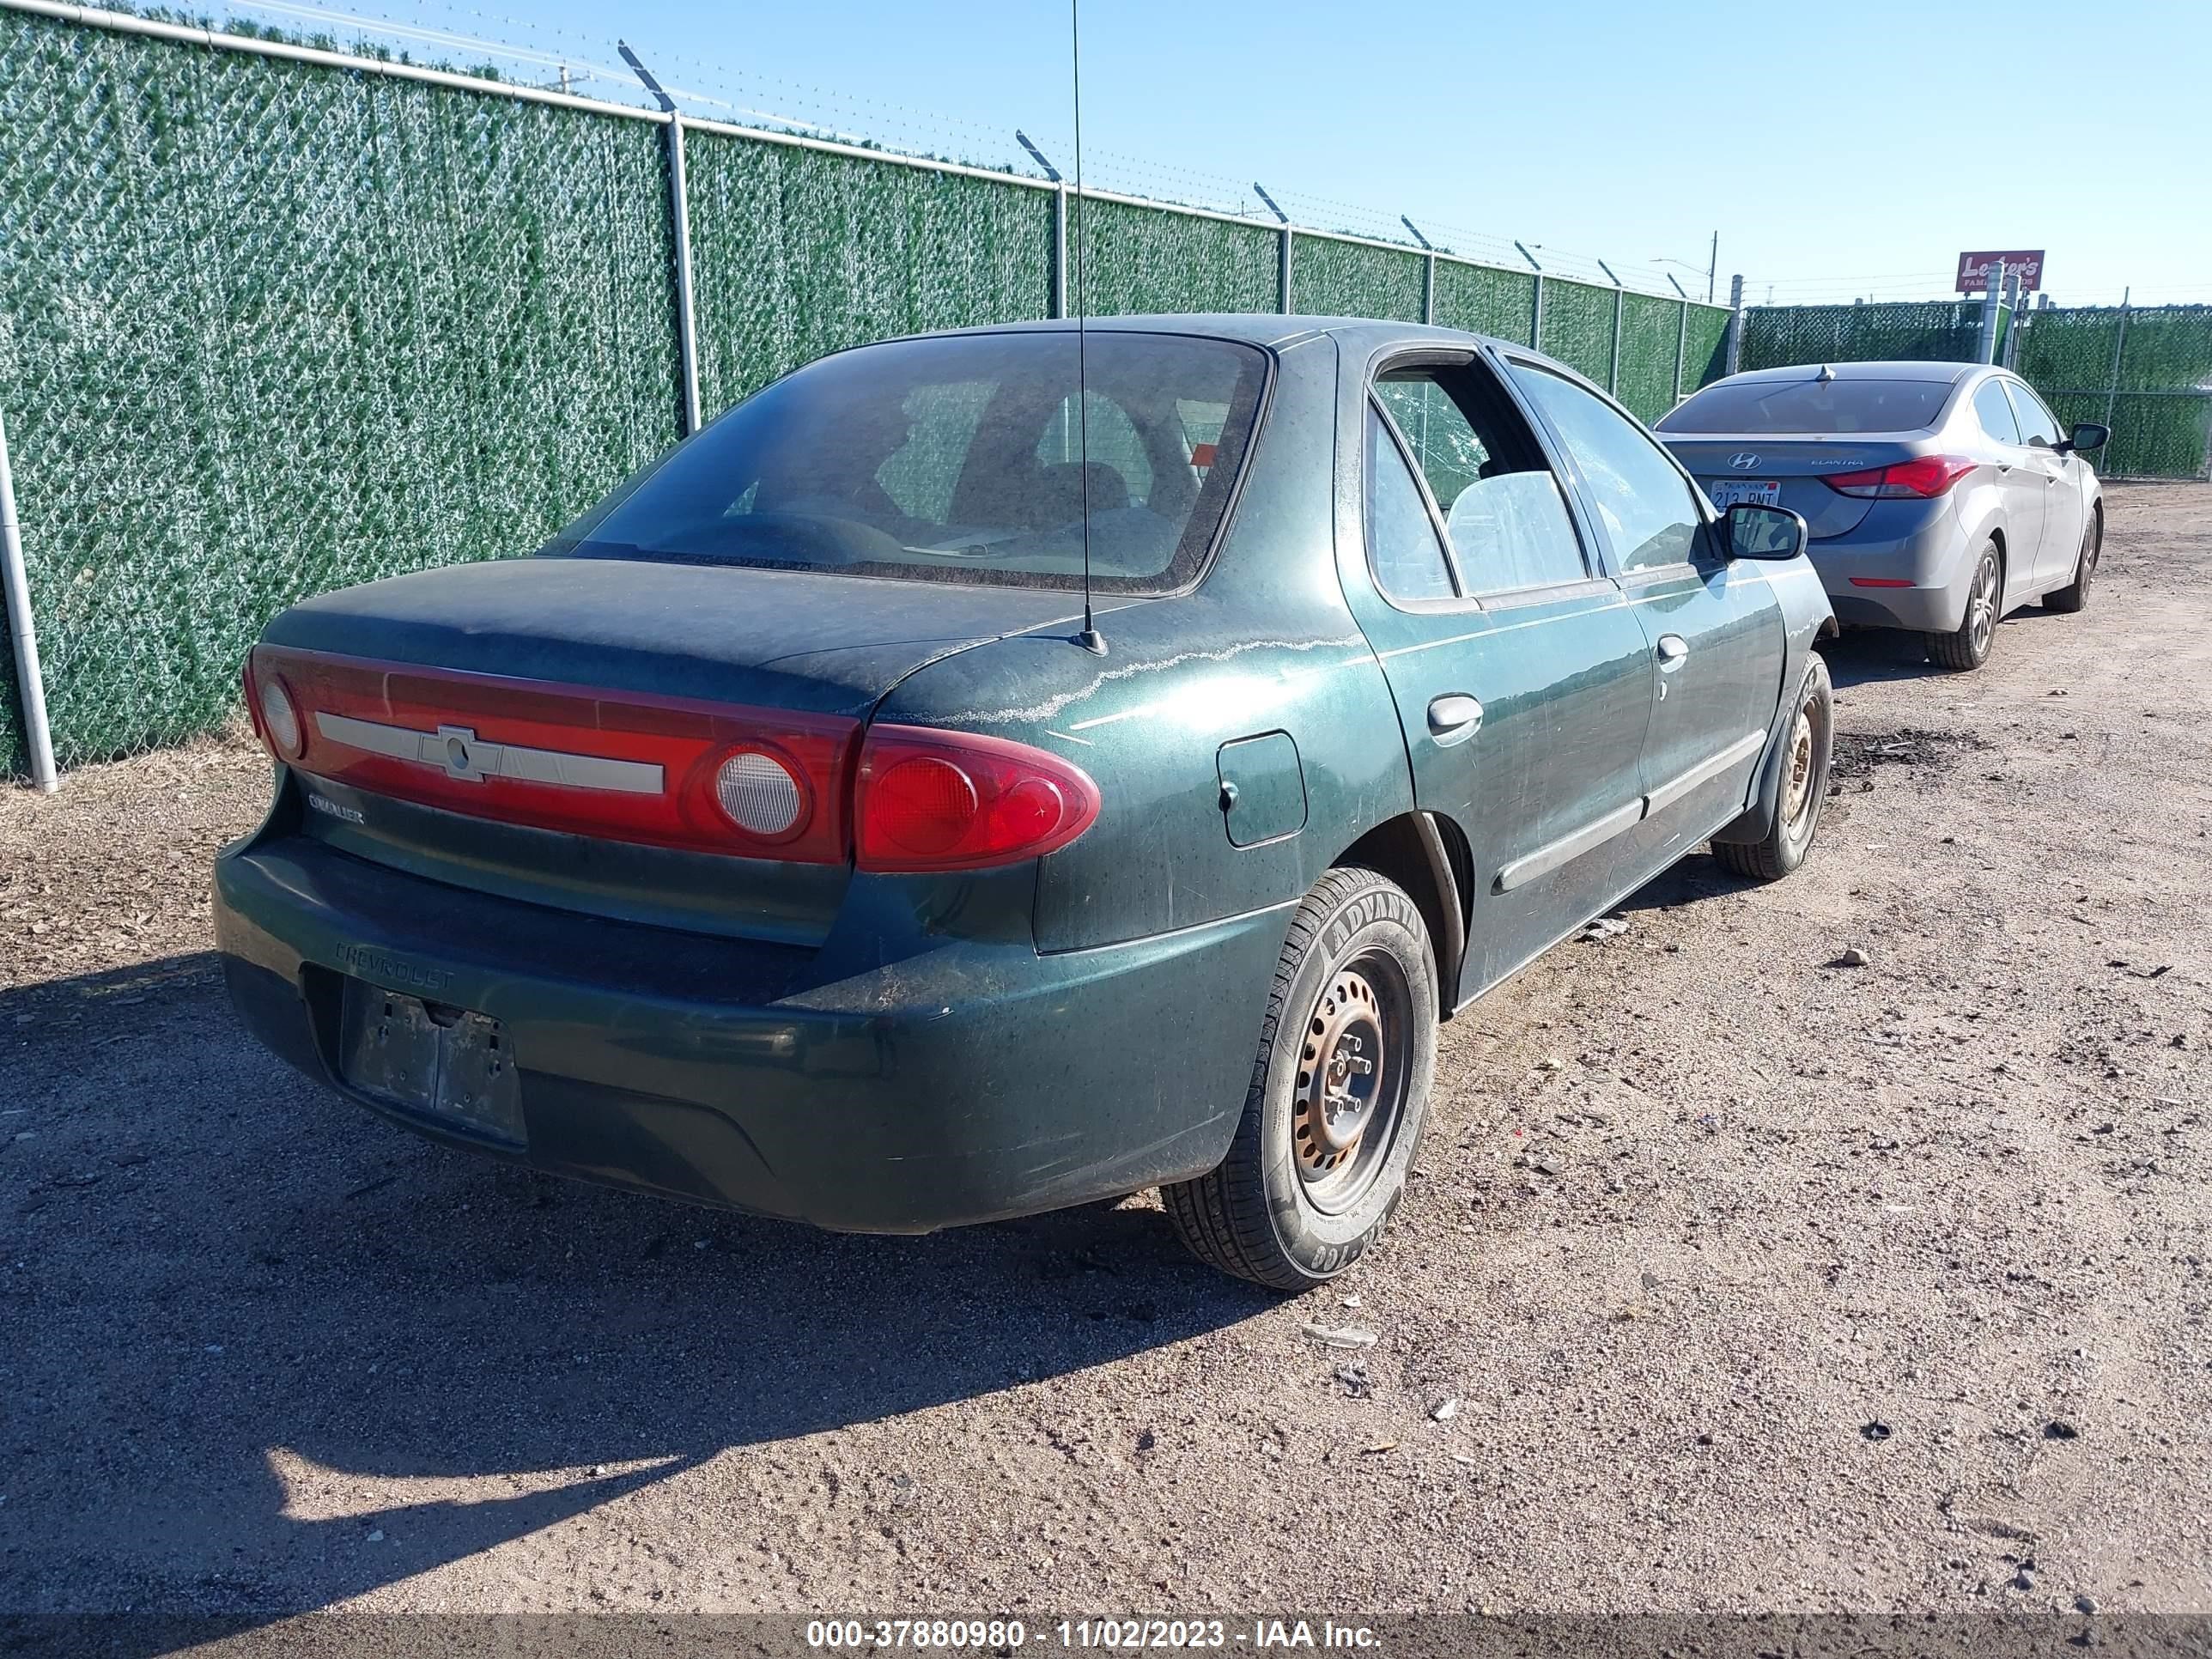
{"x": 1801, "y": 463}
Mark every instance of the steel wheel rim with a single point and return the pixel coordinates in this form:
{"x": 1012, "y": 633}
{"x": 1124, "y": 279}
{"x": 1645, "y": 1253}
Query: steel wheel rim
{"x": 1982, "y": 606}
{"x": 1353, "y": 1067}
{"x": 1797, "y": 781}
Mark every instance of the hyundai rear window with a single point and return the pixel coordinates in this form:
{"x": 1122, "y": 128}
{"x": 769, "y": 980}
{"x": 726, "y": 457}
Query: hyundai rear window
{"x": 1777, "y": 406}
{"x": 960, "y": 459}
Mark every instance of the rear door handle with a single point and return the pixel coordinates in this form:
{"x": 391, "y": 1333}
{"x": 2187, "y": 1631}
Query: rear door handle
{"x": 1673, "y": 647}
{"x": 1454, "y": 718}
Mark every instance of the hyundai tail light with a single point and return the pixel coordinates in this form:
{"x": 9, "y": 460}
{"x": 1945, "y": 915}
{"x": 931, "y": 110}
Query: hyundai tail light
{"x": 1922, "y": 479}
{"x": 944, "y": 801}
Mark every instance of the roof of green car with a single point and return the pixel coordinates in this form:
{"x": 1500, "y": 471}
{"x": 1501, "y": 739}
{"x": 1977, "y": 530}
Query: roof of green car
{"x": 1258, "y": 328}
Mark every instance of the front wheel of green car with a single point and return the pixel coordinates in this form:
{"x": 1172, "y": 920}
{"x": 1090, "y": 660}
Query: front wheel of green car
{"x": 1339, "y": 1093}
{"x": 1804, "y": 788}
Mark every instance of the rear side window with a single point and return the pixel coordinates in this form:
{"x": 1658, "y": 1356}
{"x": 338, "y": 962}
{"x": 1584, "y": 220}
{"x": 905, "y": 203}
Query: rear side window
{"x": 2036, "y": 424}
{"x": 1506, "y": 523}
{"x": 960, "y": 459}
{"x": 1810, "y": 405}
{"x": 1994, "y": 410}
{"x": 1407, "y": 557}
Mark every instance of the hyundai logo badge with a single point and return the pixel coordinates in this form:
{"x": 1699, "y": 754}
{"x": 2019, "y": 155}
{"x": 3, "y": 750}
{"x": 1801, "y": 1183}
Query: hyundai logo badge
{"x": 1743, "y": 460}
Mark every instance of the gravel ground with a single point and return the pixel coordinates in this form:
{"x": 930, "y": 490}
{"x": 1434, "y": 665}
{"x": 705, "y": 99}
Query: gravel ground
{"x": 1758, "y": 1281}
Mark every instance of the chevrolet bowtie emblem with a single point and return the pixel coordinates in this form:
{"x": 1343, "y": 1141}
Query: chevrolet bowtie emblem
{"x": 457, "y": 752}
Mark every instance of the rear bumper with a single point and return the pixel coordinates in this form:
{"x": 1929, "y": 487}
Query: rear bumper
{"x": 1920, "y": 544}
{"x": 964, "y": 1082}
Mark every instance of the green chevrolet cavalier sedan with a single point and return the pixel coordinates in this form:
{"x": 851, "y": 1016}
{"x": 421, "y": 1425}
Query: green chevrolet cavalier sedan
{"x": 782, "y": 835}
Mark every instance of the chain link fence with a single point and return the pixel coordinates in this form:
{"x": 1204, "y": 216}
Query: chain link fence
{"x": 270, "y": 326}
{"x": 2147, "y": 374}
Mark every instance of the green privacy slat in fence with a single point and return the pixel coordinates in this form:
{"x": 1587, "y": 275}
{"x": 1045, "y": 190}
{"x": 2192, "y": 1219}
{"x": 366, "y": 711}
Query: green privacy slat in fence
{"x": 1705, "y": 348}
{"x": 271, "y": 328}
{"x": 2159, "y": 404}
{"x": 2069, "y": 348}
{"x": 1648, "y": 332}
{"x": 2169, "y": 348}
{"x": 1579, "y": 327}
{"x": 1329, "y": 278}
{"x": 1500, "y": 303}
{"x": 1143, "y": 259}
{"x": 2154, "y": 435}
{"x": 797, "y": 252}
{"x": 1937, "y": 330}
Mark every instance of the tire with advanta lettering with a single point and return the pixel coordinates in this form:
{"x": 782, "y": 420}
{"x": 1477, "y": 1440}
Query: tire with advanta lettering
{"x": 1338, "y": 1097}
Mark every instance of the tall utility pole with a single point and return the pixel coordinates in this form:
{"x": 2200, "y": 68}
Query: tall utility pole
{"x": 1713, "y": 268}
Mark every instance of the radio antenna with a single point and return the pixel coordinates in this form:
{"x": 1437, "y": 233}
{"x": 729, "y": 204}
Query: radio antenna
{"x": 1090, "y": 639}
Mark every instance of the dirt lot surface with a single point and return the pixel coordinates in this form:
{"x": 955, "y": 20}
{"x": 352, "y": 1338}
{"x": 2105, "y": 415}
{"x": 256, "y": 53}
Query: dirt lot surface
{"x": 1758, "y": 1281}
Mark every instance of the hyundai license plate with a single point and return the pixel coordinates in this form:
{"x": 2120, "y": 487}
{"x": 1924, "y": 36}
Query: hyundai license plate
{"x": 1759, "y": 492}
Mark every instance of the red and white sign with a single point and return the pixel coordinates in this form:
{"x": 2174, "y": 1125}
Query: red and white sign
{"x": 1976, "y": 268}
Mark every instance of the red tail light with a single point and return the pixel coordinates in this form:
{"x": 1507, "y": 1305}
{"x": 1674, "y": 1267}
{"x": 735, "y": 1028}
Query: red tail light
{"x": 667, "y": 771}
{"x": 661, "y": 771}
{"x": 948, "y": 800}
{"x": 1924, "y": 477}
{"x": 276, "y": 717}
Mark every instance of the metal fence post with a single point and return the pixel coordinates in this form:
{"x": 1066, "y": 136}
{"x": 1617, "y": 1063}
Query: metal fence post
{"x": 1734, "y": 362}
{"x": 1060, "y": 252}
{"x": 687, "y": 331}
{"x": 1537, "y": 306}
{"x": 1282, "y": 252}
{"x": 1681, "y": 347}
{"x": 1985, "y": 349}
{"x": 30, "y": 683}
{"x": 2119, "y": 344}
{"x": 679, "y": 211}
{"x": 1429, "y": 288}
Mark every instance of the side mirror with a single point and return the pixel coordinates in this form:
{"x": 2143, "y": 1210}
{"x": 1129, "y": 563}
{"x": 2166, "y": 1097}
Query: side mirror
{"x": 1750, "y": 530}
{"x": 2087, "y": 435}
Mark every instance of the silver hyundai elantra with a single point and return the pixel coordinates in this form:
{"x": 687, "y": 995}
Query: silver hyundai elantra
{"x": 1939, "y": 496}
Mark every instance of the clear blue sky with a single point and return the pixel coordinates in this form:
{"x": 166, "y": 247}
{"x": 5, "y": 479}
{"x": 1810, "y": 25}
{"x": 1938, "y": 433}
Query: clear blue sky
{"x": 1839, "y": 149}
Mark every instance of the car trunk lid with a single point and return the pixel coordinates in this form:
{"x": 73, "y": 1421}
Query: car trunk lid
{"x": 555, "y": 730}
{"x": 1801, "y": 464}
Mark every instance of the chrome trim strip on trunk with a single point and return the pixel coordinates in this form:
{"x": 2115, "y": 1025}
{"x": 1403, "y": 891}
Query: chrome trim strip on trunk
{"x": 459, "y": 753}
{"x": 1704, "y": 771}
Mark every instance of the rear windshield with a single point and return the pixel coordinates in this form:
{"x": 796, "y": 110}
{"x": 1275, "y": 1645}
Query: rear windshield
{"x": 1811, "y": 406}
{"x": 960, "y": 459}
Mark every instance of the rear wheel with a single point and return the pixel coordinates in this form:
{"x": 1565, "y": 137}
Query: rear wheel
{"x": 2074, "y": 596}
{"x": 1968, "y": 647}
{"x": 1339, "y": 1092}
{"x": 1804, "y": 788}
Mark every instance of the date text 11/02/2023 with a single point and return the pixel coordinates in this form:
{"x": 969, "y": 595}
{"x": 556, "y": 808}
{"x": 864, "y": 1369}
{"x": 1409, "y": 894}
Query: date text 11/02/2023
{"x": 1002, "y": 1635}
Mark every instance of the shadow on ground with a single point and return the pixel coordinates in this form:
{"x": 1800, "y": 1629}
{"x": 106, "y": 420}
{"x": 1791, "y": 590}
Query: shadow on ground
{"x": 220, "y": 1276}
{"x": 1864, "y": 655}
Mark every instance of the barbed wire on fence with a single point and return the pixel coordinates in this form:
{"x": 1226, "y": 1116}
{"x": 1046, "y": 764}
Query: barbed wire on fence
{"x": 750, "y": 96}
